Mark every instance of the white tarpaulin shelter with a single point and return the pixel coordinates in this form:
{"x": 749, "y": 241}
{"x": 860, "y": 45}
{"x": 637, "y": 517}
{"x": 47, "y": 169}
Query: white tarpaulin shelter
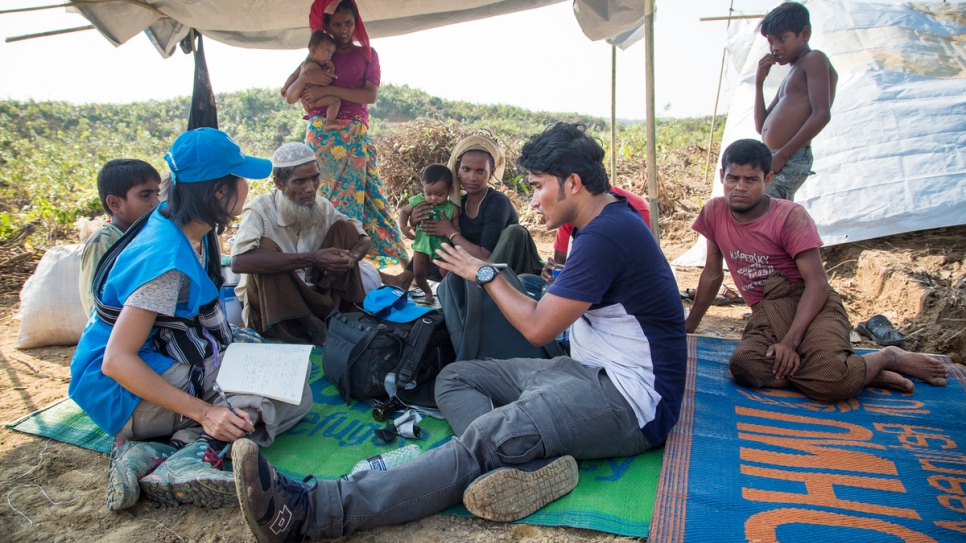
{"x": 283, "y": 24}
{"x": 277, "y": 24}
{"x": 893, "y": 157}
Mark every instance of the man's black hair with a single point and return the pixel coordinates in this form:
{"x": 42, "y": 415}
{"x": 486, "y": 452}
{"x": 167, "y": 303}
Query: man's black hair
{"x": 197, "y": 202}
{"x": 565, "y": 149}
{"x": 343, "y": 5}
{"x": 788, "y": 16}
{"x": 319, "y": 37}
{"x": 435, "y": 173}
{"x": 119, "y": 176}
{"x": 747, "y": 152}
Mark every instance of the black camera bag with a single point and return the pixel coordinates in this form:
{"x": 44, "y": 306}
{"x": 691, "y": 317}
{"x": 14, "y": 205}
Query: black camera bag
{"x": 375, "y": 360}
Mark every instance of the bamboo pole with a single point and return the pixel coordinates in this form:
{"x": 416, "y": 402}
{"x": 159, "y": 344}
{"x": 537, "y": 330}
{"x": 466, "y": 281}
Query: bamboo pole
{"x": 12, "y": 39}
{"x": 613, "y": 113}
{"x": 76, "y": 3}
{"x": 651, "y": 121}
{"x": 72, "y": 4}
{"x": 717, "y": 96}
{"x": 730, "y": 17}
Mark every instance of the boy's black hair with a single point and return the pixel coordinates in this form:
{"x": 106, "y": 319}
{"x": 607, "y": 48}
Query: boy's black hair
{"x": 197, "y": 202}
{"x": 747, "y": 152}
{"x": 318, "y": 38}
{"x": 788, "y": 16}
{"x": 435, "y": 173}
{"x": 564, "y": 149}
{"x": 120, "y": 175}
{"x": 344, "y": 4}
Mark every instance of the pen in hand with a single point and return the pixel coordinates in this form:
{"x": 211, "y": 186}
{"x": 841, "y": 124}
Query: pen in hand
{"x": 230, "y": 408}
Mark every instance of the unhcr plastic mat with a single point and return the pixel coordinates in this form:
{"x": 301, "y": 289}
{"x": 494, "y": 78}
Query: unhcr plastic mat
{"x": 772, "y": 465}
{"x": 615, "y": 495}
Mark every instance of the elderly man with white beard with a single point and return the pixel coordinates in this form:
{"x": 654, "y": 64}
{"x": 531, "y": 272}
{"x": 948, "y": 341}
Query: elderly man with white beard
{"x": 301, "y": 258}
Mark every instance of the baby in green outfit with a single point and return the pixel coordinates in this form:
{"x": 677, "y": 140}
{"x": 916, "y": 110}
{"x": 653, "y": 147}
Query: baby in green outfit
{"x": 437, "y": 184}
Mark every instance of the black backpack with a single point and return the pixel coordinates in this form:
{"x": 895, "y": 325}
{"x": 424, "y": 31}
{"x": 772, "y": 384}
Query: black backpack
{"x": 377, "y": 361}
{"x": 478, "y": 328}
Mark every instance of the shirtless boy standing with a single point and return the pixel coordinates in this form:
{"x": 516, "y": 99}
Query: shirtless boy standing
{"x": 801, "y": 109}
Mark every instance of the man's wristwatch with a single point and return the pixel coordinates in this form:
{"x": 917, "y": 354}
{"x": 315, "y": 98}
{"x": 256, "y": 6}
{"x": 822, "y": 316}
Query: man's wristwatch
{"x": 484, "y": 275}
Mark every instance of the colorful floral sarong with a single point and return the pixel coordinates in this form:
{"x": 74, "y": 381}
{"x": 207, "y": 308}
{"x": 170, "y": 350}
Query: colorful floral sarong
{"x": 350, "y": 180}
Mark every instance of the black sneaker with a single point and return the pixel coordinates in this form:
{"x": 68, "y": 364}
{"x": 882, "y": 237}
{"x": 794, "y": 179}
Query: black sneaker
{"x": 508, "y": 494}
{"x": 275, "y": 507}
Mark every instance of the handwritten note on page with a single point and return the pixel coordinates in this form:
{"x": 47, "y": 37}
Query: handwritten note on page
{"x": 273, "y": 370}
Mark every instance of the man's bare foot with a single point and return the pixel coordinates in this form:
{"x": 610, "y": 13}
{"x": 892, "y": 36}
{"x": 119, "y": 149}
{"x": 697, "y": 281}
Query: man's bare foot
{"x": 917, "y": 365}
{"x": 428, "y": 299}
{"x": 316, "y": 329}
{"x": 892, "y": 380}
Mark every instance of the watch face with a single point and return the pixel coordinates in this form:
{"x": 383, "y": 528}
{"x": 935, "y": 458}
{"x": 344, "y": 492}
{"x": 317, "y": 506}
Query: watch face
{"x": 485, "y": 275}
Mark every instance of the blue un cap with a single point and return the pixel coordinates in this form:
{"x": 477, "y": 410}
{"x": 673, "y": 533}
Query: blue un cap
{"x": 205, "y": 154}
{"x": 393, "y": 304}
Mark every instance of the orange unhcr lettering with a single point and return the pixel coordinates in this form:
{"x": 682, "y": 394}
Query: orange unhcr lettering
{"x": 820, "y": 491}
{"x": 954, "y": 526}
{"x": 853, "y": 431}
{"x": 763, "y": 527}
{"x": 929, "y": 466}
{"x": 955, "y": 484}
{"x": 912, "y": 436}
{"x": 895, "y": 406}
{"x": 956, "y": 503}
{"x": 818, "y": 456}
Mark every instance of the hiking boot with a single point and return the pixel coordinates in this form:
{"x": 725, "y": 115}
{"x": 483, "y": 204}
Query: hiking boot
{"x": 275, "y": 507}
{"x": 195, "y": 474}
{"x": 508, "y": 494}
{"x": 131, "y": 460}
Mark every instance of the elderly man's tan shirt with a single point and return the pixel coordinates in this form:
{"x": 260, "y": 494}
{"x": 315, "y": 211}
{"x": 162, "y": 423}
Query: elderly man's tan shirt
{"x": 262, "y": 217}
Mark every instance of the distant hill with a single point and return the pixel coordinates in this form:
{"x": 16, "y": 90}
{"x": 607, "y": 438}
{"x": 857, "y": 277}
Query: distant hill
{"x": 404, "y": 103}
{"x": 50, "y": 152}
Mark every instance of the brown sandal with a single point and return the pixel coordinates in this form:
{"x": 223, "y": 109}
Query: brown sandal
{"x": 726, "y": 296}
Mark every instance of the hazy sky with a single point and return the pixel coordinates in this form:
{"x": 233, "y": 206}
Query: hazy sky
{"x": 537, "y": 59}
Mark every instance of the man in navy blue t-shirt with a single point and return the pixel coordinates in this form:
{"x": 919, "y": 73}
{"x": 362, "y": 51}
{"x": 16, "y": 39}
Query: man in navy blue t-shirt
{"x": 521, "y": 423}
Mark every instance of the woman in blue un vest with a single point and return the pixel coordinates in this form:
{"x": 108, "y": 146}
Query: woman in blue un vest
{"x": 146, "y": 364}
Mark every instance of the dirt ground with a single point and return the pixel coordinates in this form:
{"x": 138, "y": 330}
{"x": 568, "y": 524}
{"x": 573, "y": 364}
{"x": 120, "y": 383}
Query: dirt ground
{"x": 56, "y": 492}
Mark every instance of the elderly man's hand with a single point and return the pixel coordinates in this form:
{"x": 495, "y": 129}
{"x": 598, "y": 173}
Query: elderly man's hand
{"x": 458, "y": 261}
{"x": 332, "y": 259}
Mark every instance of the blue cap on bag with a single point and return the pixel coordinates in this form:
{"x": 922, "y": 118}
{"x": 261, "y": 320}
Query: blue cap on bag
{"x": 393, "y": 304}
{"x": 205, "y": 154}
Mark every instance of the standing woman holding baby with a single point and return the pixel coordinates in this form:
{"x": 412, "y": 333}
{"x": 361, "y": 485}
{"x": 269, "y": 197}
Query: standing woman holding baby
{"x": 350, "y": 174}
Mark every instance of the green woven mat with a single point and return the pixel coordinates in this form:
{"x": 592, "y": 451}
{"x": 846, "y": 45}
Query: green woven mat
{"x": 614, "y": 495}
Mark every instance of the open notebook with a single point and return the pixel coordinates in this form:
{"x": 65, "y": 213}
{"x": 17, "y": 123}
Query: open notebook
{"x": 273, "y": 370}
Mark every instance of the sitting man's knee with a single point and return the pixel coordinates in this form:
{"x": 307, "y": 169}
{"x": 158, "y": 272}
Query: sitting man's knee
{"x": 515, "y": 231}
{"x": 749, "y": 367}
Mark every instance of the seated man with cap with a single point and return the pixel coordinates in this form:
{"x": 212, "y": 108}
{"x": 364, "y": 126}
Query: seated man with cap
{"x": 301, "y": 258}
